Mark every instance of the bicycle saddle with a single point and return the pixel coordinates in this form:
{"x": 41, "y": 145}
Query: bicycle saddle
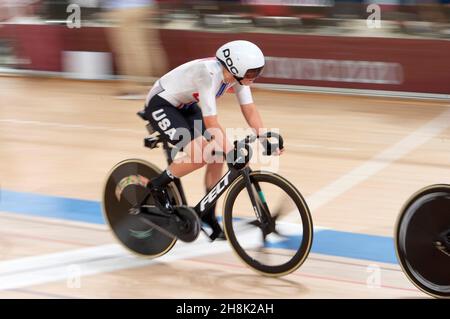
{"x": 141, "y": 114}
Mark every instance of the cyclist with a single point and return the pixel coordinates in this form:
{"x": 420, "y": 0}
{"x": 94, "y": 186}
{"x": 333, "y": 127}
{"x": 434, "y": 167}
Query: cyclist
{"x": 186, "y": 97}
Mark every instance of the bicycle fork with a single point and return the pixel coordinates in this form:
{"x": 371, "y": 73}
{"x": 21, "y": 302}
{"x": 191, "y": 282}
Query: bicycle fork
{"x": 262, "y": 212}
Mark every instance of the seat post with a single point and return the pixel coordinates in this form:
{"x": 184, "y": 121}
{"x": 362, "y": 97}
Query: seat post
{"x": 168, "y": 152}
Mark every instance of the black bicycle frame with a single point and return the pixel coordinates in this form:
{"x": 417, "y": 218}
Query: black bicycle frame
{"x": 217, "y": 190}
{"x": 221, "y": 186}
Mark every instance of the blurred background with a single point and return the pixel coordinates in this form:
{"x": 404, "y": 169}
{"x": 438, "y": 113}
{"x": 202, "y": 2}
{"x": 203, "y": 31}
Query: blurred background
{"x": 314, "y": 43}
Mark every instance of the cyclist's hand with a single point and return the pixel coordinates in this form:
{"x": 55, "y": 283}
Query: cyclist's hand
{"x": 265, "y": 142}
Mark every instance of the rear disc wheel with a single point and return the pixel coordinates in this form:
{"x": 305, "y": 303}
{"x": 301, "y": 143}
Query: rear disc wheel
{"x": 124, "y": 189}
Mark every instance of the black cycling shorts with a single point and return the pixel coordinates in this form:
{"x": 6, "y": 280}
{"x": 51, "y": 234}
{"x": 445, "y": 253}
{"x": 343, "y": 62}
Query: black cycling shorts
{"x": 178, "y": 125}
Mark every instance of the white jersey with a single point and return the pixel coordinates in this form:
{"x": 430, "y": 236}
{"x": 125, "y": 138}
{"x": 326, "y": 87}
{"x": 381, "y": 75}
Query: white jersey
{"x": 198, "y": 81}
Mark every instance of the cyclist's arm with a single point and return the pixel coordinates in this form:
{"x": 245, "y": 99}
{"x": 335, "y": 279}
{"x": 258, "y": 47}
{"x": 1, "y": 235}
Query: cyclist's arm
{"x": 213, "y": 126}
{"x": 253, "y": 118}
{"x": 248, "y": 108}
{"x": 250, "y": 112}
{"x": 207, "y": 102}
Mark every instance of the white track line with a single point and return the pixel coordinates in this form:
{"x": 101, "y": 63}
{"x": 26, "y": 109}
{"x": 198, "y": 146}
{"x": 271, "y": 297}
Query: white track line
{"x": 316, "y": 146}
{"x": 71, "y": 126}
{"x": 55, "y": 221}
{"x": 35, "y": 270}
{"x": 42, "y": 269}
{"x": 353, "y": 92}
{"x": 380, "y": 161}
{"x": 111, "y": 129}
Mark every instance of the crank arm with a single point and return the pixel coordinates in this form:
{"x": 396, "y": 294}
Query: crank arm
{"x": 158, "y": 228}
{"x": 154, "y": 211}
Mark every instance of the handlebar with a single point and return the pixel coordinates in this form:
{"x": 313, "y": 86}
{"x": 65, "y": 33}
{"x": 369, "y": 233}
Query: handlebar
{"x": 271, "y": 147}
{"x": 243, "y": 152}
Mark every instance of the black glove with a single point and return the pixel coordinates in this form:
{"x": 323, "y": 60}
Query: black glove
{"x": 239, "y": 156}
{"x": 270, "y": 148}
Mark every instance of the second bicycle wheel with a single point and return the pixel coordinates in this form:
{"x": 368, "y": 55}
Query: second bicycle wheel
{"x": 283, "y": 246}
{"x": 422, "y": 234}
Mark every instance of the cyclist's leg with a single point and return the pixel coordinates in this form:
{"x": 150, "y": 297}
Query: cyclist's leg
{"x": 173, "y": 125}
{"x": 213, "y": 172}
{"x": 212, "y": 176}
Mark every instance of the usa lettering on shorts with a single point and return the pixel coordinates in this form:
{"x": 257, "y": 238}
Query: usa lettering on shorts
{"x": 164, "y": 123}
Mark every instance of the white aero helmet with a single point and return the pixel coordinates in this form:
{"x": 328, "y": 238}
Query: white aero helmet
{"x": 242, "y": 58}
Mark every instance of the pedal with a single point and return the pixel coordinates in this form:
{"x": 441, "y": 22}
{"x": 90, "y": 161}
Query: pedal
{"x": 188, "y": 224}
{"x": 183, "y": 224}
{"x": 214, "y": 235}
{"x": 157, "y": 219}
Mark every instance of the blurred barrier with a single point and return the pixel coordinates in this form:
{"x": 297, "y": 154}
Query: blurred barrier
{"x": 87, "y": 65}
{"x": 411, "y": 65}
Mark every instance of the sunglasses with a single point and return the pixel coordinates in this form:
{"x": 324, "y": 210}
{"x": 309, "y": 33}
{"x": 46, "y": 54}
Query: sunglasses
{"x": 253, "y": 73}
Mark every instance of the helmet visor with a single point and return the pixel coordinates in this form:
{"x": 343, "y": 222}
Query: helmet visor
{"x": 253, "y": 73}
